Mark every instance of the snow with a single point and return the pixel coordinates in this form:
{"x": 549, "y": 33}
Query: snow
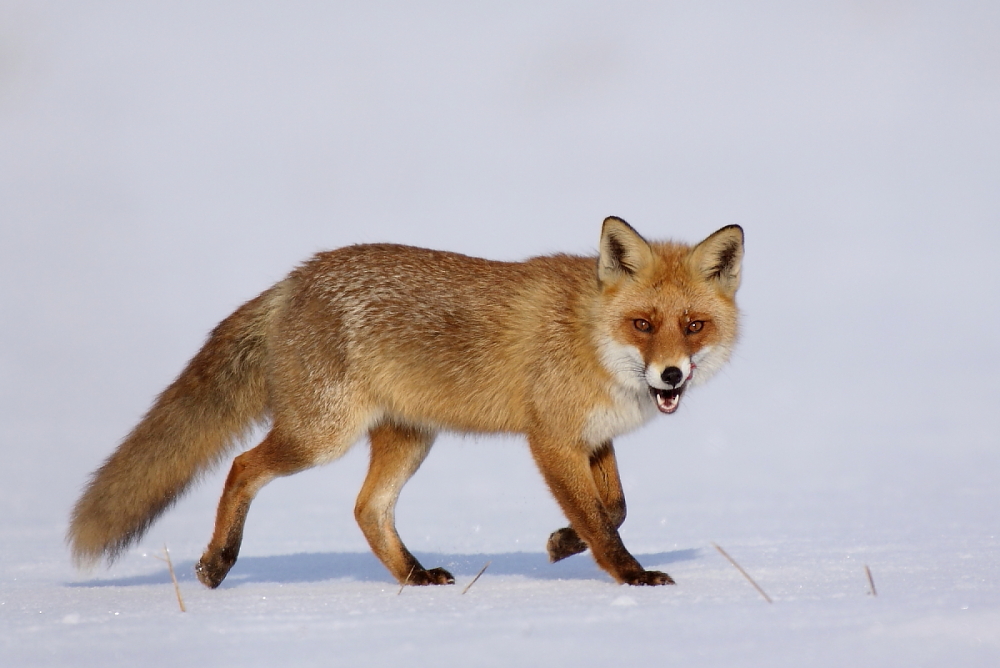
{"x": 160, "y": 165}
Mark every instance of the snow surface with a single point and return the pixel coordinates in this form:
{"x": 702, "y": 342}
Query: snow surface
{"x": 161, "y": 164}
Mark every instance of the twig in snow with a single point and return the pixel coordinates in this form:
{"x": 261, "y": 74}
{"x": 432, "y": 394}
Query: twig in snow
{"x": 745, "y": 574}
{"x": 406, "y": 581}
{"x": 871, "y": 582}
{"x": 170, "y": 567}
{"x": 481, "y": 571}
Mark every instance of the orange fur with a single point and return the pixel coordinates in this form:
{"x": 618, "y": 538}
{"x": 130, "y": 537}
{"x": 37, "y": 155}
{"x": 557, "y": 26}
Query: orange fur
{"x": 400, "y": 343}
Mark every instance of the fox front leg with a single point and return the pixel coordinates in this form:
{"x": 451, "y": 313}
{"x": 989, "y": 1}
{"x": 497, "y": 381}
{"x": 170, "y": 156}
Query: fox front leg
{"x": 604, "y": 468}
{"x": 567, "y": 468}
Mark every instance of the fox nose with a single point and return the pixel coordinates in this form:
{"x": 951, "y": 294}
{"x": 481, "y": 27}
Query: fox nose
{"x": 672, "y": 376}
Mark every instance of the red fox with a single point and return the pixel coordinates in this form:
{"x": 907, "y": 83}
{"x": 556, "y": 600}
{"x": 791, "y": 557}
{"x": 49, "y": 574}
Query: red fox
{"x": 400, "y": 343}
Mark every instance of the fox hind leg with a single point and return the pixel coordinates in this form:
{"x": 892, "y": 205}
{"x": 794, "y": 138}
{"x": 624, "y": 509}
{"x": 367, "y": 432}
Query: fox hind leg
{"x": 274, "y": 457}
{"x": 397, "y": 451}
{"x": 604, "y": 467}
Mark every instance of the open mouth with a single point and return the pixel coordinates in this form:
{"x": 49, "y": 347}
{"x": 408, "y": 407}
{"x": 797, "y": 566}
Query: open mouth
{"x": 667, "y": 401}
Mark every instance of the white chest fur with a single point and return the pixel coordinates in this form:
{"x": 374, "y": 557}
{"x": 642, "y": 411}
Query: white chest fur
{"x": 628, "y": 410}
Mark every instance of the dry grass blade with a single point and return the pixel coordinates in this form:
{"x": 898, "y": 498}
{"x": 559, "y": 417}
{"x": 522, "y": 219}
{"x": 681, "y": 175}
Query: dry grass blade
{"x": 745, "y": 574}
{"x": 406, "y": 581}
{"x": 481, "y": 571}
{"x": 173, "y": 576}
{"x": 871, "y": 581}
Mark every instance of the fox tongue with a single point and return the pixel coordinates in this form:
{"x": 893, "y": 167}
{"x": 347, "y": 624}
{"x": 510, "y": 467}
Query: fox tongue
{"x": 668, "y": 401}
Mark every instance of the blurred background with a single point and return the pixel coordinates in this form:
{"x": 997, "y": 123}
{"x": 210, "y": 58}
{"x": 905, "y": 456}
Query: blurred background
{"x": 161, "y": 164}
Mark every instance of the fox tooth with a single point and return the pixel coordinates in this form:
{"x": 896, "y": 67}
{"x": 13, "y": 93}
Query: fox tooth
{"x": 667, "y": 402}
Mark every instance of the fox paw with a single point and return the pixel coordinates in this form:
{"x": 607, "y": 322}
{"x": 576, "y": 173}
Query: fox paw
{"x": 648, "y": 578}
{"x": 434, "y": 576}
{"x": 564, "y": 543}
{"x": 212, "y": 571}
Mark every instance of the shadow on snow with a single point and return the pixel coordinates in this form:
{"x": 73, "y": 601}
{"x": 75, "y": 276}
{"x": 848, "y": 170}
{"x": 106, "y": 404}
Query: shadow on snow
{"x": 364, "y": 567}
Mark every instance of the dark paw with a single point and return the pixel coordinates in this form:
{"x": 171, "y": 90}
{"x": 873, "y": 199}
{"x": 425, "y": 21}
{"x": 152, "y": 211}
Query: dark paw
{"x": 564, "y": 543}
{"x": 649, "y": 578}
{"x": 211, "y": 571}
{"x": 435, "y": 576}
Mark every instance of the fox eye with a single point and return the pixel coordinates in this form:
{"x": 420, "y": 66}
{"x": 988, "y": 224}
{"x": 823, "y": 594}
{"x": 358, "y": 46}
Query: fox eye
{"x": 642, "y": 325}
{"x": 695, "y": 326}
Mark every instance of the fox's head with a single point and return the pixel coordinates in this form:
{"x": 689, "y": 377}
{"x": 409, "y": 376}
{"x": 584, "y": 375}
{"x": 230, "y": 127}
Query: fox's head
{"x": 668, "y": 311}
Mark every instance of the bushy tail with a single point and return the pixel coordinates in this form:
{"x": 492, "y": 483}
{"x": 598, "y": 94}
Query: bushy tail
{"x": 218, "y": 397}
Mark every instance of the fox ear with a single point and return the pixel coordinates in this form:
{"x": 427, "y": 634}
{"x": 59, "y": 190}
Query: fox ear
{"x": 719, "y": 258}
{"x": 623, "y": 252}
